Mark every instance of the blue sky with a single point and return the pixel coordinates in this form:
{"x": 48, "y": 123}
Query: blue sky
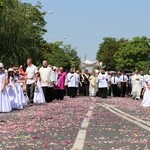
{"x": 84, "y": 23}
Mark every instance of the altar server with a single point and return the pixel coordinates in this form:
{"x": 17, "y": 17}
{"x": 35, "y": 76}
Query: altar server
{"x": 71, "y": 82}
{"x": 102, "y": 84}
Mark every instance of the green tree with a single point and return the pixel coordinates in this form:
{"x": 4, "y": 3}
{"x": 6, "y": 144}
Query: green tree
{"x": 134, "y": 54}
{"x": 21, "y": 31}
{"x": 55, "y": 55}
{"x": 72, "y": 56}
{"x": 59, "y": 55}
{"x": 1, "y": 4}
{"x": 107, "y": 50}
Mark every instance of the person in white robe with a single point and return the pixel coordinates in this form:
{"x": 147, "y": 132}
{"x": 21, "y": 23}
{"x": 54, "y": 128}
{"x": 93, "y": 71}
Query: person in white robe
{"x": 38, "y": 93}
{"x": 93, "y": 84}
{"x": 102, "y": 84}
{"x": 19, "y": 85}
{"x": 14, "y": 95}
{"x": 146, "y": 97}
{"x": 71, "y": 82}
{"x": 47, "y": 81}
{"x": 136, "y": 85}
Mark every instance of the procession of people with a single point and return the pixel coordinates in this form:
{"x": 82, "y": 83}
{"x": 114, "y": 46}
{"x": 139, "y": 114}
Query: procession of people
{"x": 21, "y": 87}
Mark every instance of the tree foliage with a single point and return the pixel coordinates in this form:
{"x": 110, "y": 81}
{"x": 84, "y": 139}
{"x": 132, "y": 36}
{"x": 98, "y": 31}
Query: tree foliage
{"x": 59, "y": 55}
{"x": 72, "y": 56}
{"x": 21, "y": 30}
{"x": 107, "y": 50}
{"x": 125, "y": 54}
{"x": 22, "y": 27}
{"x": 134, "y": 54}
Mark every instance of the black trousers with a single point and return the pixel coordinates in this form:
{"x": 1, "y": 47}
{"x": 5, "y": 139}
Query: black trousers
{"x": 51, "y": 94}
{"x": 102, "y": 92}
{"x": 115, "y": 90}
{"x": 109, "y": 90}
{"x": 30, "y": 92}
{"x": 80, "y": 91}
{"x": 128, "y": 90}
{"x": 118, "y": 91}
{"x": 85, "y": 89}
{"x": 59, "y": 94}
{"x": 123, "y": 89}
{"x": 72, "y": 92}
{"x": 142, "y": 92}
{"x": 77, "y": 90}
{"x": 46, "y": 93}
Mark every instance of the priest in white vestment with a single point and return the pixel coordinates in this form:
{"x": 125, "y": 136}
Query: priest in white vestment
{"x": 93, "y": 84}
{"x": 47, "y": 81}
{"x": 136, "y": 85}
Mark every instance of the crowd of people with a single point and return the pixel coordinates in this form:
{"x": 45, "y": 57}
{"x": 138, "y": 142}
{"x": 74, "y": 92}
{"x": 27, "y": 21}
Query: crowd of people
{"x": 21, "y": 87}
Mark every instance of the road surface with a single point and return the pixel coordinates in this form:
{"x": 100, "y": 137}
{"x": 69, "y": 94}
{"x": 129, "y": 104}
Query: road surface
{"x": 83, "y": 123}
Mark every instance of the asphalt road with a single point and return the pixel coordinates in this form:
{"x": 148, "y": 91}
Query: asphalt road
{"x": 88, "y": 123}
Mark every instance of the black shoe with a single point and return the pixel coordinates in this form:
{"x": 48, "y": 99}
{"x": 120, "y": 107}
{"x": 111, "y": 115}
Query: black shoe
{"x": 30, "y": 104}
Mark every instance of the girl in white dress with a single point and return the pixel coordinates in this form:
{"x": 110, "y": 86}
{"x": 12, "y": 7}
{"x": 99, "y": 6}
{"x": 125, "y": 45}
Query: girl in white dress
{"x": 18, "y": 83}
{"x": 15, "y": 101}
{"x": 38, "y": 94}
{"x": 4, "y": 99}
{"x": 146, "y": 97}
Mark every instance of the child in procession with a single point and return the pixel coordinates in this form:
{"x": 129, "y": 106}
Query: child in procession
{"x": 38, "y": 94}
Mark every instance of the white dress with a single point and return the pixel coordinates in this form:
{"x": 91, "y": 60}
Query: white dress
{"x": 15, "y": 101}
{"x": 146, "y": 99}
{"x": 4, "y": 99}
{"x": 38, "y": 94}
{"x": 21, "y": 95}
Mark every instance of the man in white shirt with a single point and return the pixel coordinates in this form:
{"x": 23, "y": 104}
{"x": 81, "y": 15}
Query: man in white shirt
{"x": 31, "y": 80}
{"x": 123, "y": 80}
{"x": 47, "y": 81}
{"x": 114, "y": 84}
